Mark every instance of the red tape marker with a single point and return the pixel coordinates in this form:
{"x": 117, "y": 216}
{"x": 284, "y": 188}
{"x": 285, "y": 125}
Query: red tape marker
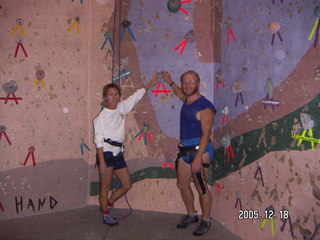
{"x": 141, "y": 135}
{"x": 166, "y": 163}
{"x": 229, "y": 152}
{"x": 31, "y": 152}
{"x": 150, "y": 136}
{"x": 183, "y": 44}
{"x": 17, "y": 48}
{"x": 218, "y": 186}
{"x": 2, "y": 209}
{"x": 11, "y": 98}
{"x": 218, "y": 83}
{"x": 157, "y": 91}
{"x": 231, "y": 33}
{"x": 183, "y": 10}
{"x": 6, "y": 136}
{"x": 225, "y": 117}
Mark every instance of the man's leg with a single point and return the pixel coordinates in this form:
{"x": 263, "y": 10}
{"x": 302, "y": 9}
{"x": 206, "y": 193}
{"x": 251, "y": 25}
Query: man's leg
{"x": 205, "y": 199}
{"x": 183, "y": 182}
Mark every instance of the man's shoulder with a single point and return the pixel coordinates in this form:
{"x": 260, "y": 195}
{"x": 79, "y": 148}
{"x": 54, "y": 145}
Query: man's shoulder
{"x": 207, "y": 103}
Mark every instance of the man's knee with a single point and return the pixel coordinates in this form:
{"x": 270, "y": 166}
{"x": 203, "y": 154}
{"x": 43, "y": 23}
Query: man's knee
{"x": 198, "y": 188}
{"x": 183, "y": 186}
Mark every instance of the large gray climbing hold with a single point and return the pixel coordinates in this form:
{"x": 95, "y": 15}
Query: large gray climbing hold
{"x": 10, "y": 87}
{"x": 268, "y": 88}
{"x": 225, "y": 140}
{"x": 190, "y": 36}
{"x": 2, "y": 128}
{"x": 160, "y": 77}
{"x": 306, "y": 121}
{"x": 219, "y": 75}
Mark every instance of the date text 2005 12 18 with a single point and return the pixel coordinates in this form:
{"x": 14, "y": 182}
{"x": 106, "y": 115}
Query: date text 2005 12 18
{"x": 267, "y": 214}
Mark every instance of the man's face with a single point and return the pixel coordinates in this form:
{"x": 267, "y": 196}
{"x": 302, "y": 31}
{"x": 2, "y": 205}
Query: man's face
{"x": 189, "y": 84}
{"x": 112, "y": 98}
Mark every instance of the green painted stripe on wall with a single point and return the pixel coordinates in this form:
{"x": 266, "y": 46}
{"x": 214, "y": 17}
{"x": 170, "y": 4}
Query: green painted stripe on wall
{"x": 278, "y": 137}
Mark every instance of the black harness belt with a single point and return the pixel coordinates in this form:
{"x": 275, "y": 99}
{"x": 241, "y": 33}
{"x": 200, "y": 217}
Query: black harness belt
{"x": 189, "y": 151}
{"x": 113, "y": 143}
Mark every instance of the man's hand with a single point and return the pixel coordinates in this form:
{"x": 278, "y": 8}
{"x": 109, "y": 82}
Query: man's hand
{"x": 167, "y": 77}
{"x": 196, "y": 165}
{"x": 177, "y": 90}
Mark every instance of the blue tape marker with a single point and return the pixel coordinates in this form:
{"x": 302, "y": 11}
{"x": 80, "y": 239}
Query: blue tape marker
{"x": 138, "y": 133}
{"x": 145, "y": 138}
{"x": 81, "y": 147}
{"x": 123, "y": 75}
{"x": 123, "y": 31}
{"x": 131, "y": 34}
{"x": 105, "y": 42}
{"x": 86, "y": 146}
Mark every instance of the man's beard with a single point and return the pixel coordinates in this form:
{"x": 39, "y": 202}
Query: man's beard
{"x": 193, "y": 91}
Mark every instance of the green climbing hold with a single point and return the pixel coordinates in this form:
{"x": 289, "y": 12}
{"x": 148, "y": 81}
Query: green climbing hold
{"x": 174, "y": 5}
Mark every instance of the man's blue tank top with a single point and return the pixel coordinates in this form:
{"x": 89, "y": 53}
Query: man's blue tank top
{"x": 190, "y": 127}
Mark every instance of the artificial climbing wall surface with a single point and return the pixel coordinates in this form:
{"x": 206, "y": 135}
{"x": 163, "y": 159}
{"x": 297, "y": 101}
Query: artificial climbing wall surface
{"x": 58, "y": 70}
{"x": 52, "y": 81}
{"x": 272, "y": 120}
{"x": 157, "y": 44}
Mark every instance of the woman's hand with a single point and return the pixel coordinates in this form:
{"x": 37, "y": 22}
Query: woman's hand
{"x": 153, "y": 81}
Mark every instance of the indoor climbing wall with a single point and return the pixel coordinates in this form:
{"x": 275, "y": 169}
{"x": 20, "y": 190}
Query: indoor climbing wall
{"x": 47, "y": 75}
{"x": 57, "y": 56}
{"x": 158, "y": 37}
{"x": 267, "y": 127}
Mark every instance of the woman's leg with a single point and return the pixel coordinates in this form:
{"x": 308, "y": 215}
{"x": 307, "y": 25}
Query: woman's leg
{"x": 105, "y": 186}
{"x": 124, "y": 177}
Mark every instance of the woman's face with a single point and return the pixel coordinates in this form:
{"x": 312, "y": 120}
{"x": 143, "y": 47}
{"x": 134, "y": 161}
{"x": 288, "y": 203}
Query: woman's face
{"x": 112, "y": 98}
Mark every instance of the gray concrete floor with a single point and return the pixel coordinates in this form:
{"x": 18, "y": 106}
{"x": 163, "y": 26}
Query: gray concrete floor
{"x": 86, "y": 223}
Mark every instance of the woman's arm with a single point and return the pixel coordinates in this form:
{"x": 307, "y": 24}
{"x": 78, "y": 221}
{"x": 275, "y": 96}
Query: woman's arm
{"x": 152, "y": 83}
{"x": 128, "y": 104}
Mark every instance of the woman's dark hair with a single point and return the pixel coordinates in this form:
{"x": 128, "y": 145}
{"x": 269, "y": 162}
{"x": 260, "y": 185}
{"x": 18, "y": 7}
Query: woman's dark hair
{"x": 108, "y": 86}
